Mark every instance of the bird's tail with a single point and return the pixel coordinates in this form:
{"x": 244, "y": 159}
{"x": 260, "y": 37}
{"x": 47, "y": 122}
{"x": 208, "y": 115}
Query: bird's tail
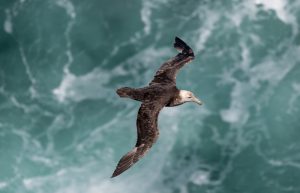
{"x": 129, "y": 159}
{"x": 182, "y": 47}
{"x": 124, "y": 91}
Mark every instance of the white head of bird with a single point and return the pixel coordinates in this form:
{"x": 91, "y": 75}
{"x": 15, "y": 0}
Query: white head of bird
{"x": 188, "y": 96}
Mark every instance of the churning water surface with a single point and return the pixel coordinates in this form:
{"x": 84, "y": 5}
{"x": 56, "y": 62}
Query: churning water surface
{"x": 63, "y": 128}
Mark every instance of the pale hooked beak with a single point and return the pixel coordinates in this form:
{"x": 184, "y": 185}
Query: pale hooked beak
{"x": 196, "y": 100}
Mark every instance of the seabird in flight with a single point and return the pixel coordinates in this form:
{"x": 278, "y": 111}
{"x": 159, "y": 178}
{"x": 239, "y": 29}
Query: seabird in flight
{"x": 161, "y": 92}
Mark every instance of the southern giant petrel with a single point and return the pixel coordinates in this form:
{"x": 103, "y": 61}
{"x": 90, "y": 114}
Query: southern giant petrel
{"x": 161, "y": 92}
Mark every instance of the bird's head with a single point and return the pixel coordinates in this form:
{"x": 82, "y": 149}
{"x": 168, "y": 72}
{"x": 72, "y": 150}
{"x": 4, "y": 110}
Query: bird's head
{"x": 188, "y": 96}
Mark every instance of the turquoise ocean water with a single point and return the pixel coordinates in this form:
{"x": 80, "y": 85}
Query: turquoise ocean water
{"x": 63, "y": 129}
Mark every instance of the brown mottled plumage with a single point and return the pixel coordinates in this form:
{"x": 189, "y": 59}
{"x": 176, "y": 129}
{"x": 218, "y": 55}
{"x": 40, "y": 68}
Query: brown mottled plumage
{"x": 161, "y": 92}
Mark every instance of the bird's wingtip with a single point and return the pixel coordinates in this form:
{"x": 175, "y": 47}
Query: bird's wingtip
{"x": 181, "y": 46}
{"x": 116, "y": 173}
{"x": 113, "y": 175}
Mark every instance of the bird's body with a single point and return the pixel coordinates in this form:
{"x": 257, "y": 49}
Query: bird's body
{"x": 160, "y": 92}
{"x": 155, "y": 92}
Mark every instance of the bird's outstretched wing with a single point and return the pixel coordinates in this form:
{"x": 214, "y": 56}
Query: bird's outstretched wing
{"x": 168, "y": 70}
{"x": 147, "y": 133}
